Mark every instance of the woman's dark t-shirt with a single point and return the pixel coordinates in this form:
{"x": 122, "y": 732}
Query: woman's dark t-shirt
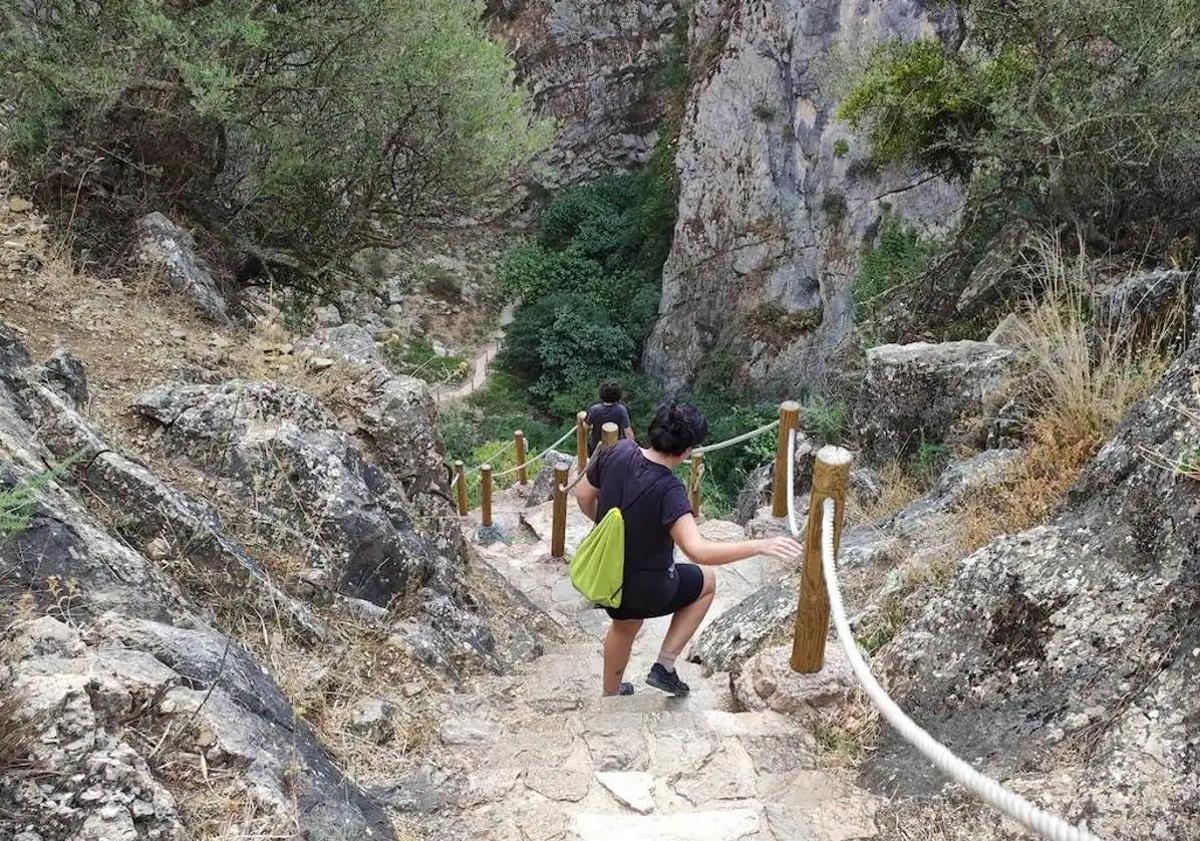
{"x": 651, "y": 499}
{"x": 602, "y": 413}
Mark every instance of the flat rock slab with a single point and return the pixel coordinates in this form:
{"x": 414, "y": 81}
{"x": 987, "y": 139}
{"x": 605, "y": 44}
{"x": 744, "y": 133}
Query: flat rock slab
{"x": 559, "y": 783}
{"x": 633, "y": 788}
{"x": 717, "y": 825}
{"x": 467, "y": 731}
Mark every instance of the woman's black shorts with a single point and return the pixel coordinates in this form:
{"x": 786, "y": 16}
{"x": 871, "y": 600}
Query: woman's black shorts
{"x": 650, "y": 594}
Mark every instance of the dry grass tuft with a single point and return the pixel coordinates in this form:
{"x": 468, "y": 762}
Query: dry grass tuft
{"x": 898, "y": 488}
{"x": 849, "y": 735}
{"x": 17, "y": 732}
{"x": 1085, "y": 377}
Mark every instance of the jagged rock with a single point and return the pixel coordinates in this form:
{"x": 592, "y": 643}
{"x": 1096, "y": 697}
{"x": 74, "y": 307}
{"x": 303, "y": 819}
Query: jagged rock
{"x": 143, "y": 647}
{"x": 932, "y": 393}
{"x": 166, "y": 248}
{"x": 924, "y": 527}
{"x": 283, "y": 447}
{"x": 995, "y": 275}
{"x": 64, "y": 373}
{"x": 594, "y": 69}
{"x": 371, "y": 719}
{"x": 757, "y": 489}
{"x": 395, "y": 413}
{"x": 777, "y": 197}
{"x": 1009, "y": 333}
{"x": 351, "y": 342}
{"x": 766, "y": 682}
{"x": 1078, "y": 634}
{"x": 541, "y": 489}
{"x": 152, "y": 509}
{"x": 1144, "y": 300}
{"x": 633, "y": 788}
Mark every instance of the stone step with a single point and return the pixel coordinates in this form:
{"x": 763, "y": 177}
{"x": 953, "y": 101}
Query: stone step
{"x": 707, "y": 825}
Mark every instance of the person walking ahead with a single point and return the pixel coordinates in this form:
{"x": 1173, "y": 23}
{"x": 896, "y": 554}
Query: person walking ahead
{"x": 610, "y": 409}
{"x": 654, "y": 505}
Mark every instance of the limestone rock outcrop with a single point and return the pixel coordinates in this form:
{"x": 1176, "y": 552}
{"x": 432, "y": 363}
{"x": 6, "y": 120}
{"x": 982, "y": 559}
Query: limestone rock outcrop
{"x": 594, "y": 67}
{"x": 1067, "y": 654}
{"x": 944, "y": 394}
{"x": 777, "y": 198}
{"x": 169, "y": 250}
{"x": 109, "y": 657}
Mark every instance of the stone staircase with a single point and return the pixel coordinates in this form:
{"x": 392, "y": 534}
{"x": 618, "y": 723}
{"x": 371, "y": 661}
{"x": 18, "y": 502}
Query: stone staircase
{"x": 538, "y": 755}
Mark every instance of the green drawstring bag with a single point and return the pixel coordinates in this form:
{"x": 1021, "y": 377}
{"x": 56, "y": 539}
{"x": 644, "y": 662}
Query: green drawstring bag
{"x": 598, "y": 568}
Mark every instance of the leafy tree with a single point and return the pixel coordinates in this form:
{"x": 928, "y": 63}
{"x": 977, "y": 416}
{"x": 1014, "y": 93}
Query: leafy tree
{"x": 298, "y": 131}
{"x": 1076, "y": 112}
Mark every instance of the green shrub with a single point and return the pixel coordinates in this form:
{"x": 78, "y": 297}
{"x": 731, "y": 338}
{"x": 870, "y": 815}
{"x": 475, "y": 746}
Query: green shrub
{"x": 823, "y": 419}
{"x": 898, "y": 258}
{"x": 418, "y": 359}
{"x": 312, "y": 128}
{"x": 1076, "y": 112}
{"x": 841, "y": 147}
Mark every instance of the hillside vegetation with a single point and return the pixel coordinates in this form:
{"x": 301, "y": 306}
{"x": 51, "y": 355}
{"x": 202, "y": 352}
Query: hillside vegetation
{"x": 293, "y": 134}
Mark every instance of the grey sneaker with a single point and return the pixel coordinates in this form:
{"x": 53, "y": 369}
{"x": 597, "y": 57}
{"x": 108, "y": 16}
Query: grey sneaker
{"x": 668, "y": 682}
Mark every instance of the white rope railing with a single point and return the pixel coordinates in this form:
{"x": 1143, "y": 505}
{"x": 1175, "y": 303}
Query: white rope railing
{"x": 738, "y": 439}
{"x": 567, "y": 488}
{"x": 985, "y": 788}
{"x": 538, "y": 457}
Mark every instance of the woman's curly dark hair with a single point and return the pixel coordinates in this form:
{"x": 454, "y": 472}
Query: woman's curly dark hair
{"x": 677, "y": 427}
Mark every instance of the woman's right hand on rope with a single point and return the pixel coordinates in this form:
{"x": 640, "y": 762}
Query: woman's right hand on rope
{"x": 783, "y": 548}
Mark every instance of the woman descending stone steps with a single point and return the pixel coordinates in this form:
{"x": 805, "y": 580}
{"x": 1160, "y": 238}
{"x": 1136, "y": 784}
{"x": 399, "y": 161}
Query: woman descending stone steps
{"x": 658, "y": 517}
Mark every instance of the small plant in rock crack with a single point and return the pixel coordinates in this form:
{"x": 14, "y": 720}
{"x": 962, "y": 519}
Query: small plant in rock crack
{"x": 18, "y": 503}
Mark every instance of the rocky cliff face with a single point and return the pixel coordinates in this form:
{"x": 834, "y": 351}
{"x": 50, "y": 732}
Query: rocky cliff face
{"x": 777, "y": 198}
{"x": 1064, "y": 657}
{"x": 593, "y": 66}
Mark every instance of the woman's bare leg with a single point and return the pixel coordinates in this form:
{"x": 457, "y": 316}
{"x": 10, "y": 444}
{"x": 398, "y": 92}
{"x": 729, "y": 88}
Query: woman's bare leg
{"x": 685, "y": 621}
{"x": 618, "y": 642}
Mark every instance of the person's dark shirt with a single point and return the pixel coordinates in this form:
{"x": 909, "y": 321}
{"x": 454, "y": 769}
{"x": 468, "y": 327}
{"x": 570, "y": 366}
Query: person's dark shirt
{"x": 602, "y": 413}
{"x": 651, "y": 499}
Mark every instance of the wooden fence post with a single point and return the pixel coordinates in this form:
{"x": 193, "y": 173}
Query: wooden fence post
{"x": 581, "y": 441}
{"x": 694, "y": 483}
{"x": 558, "y": 528}
{"x": 522, "y": 471}
{"x": 789, "y": 417}
{"x": 485, "y": 493}
{"x": 831, "y": 477}
{"x": 608, "y": 434}
{"x": 460, "y": 474}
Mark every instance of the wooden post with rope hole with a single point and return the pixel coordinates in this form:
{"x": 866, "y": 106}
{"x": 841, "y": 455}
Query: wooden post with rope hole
{"x": 460, "y": 475}
{"x": 608, "y": 434}
{"x": 485, "y": 493}
{"x": 694, "y": 483}
{"x": 581, "y": 441}
{"x": 558, "y": 528}
{"x": 789, "y": 419}
{"x": 522, "y": 470}
{"x": 831, "y": 478}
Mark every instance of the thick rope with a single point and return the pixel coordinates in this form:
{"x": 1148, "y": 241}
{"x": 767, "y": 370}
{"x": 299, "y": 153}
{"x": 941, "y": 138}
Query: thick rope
{"x": 745, "y": 436}
{"x": 538, "y": 457}
{"x": 595, "y": 455}
{"x": 984, "y": 787}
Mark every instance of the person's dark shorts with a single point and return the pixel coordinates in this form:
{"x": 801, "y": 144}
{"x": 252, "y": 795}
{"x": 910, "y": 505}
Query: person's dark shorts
{"x": 646, "y": 602}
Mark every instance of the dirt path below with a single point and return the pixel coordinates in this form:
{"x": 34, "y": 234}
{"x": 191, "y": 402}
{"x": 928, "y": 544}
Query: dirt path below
{"x": 479, "y": 365}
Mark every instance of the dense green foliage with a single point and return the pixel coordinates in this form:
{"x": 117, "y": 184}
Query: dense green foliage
{"x": 896, "y": 259}
{"x": 1075, "y": 112}
{"x": 314, "y": 128}
{"x": 589, "y": 287}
